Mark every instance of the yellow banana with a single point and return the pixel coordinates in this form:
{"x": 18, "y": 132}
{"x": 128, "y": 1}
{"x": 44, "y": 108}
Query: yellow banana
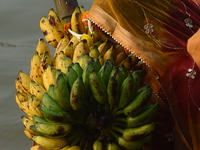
{"x": 83, "y": 59}
{"x": 101, "y": 60}
{"x": 94, "y": 52}
{"x": 42, "y": 47}
{"x": 97, "y": 145}
{"x": 34, "y": 104}
{"x": 63, "y": 64}
{"x": 51, "y": 73}
{"x": 36, "y": 89}
{"x": 75, "y": 41}
{"x": 69, "y": 50}
{"x": 76, "y": 22}
{"x": 27, "y": 122}
{"x": 50, "y": 143}
{"x": 28, "y": 134}
{"x": 25, "y": 80}
{"x": 56, "y": 59}
{"x": 120, "y": 57}
{"x": 57, "y": 25}
{"x": 45, "y": 61}
{"x": 19, "y": 97}
{"x": 25, "y": 108}
{"x": 35, "y": 68}
{"x": 61, "y": 45}
{"x": 36, "y": 147}
{"x": 118, "y": 49}
{"x": 109, "y": 54}
{"x": 45, "y": 80}
{"x": 138, "y": 66}
{"x": 127, "y": 62}
{"x": 104, "y": 47}
{"x": 47, "y": 31}
{"x": 80, "y": 49}
{"x": 19, "y": 86}
{"x": 75, "y": 147}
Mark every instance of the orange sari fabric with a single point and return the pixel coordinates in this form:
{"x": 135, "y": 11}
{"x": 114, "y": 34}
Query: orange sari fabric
{"x": 157, "y": 31}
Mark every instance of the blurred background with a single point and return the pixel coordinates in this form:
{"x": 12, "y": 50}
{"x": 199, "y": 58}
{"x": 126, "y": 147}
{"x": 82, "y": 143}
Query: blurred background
{"x": 19, "y": 35}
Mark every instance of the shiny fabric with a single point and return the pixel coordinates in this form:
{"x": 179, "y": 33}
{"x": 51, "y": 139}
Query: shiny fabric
{"x": 157, "y": 31}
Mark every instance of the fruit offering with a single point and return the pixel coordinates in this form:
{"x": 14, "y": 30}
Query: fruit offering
{"x": 89, "y": 95}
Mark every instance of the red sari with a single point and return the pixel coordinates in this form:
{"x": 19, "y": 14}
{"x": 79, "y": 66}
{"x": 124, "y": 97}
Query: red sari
{"x": 157, "y": 31}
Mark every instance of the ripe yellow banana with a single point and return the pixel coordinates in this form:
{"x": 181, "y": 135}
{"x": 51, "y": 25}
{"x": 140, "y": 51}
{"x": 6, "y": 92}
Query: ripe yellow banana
{"x": 42, "y": 47}
{"x": 36, "y": 73}
{"x": 28, "y": 134}
{"x": 56, "y": 59}
{"x": 36, "y": 89}
{"x": 127, "y": 62}
{"x": 63, "y": 64}
{"x": 80, "y": 49}
{"x": 57, "y": 25}
{"x": 61, "y": 45}
{"x": 25, "y": 80}
{"x": 50, "y": 143}
{"x": 27, "y": 122}
{"x": 120, "y": 57}
{"x": 36, "y": 147}
{"x": 83, "y": 59}
{"x": 25, "y": 108}
{"x": 76, "y": 22}
{"x": 34, "y": 104}
{"x": 47, "y": 31}
{"x": 104, "y": 47}
{"x": 109, "y": 54}
{"x": 69, "y": 50}
{"x": 45, "y": 61}
{"x": 94, "y": 52}
{"x": 50, "y": 75}
{"x": 19, "y": 87}
{"x": 20, "y": 98}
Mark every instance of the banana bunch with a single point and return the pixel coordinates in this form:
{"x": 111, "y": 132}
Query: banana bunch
{"x": 90, "y": 94}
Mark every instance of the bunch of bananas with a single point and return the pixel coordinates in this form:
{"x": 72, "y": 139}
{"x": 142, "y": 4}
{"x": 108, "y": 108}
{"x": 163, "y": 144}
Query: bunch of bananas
{"x": 88, "y": 95}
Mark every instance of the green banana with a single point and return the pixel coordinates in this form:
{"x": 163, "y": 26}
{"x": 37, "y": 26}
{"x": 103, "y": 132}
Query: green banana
{"x": 53, "y": 130}
{"x": 112, "y": 146}
{"x": 97, "y": 145}
{"x": 83, "y": 59}
{"x": 97, "y": 64}
{"x": 77, "y": 94}
{"x": 49, "y": 102}
{"x": 86, "y": 71}
{"x": 76, "y": 66}
{"x": 62, "y": 92}
{"x": 71, "y": 75}
{"x": 126, "y": 91}
{"x": 112, "y": 92}
{"x": 51, "y": 91}
{"x": 145, "y": 117}
{"x": 134, "y": 145}
{"x": 119, "y": 75}
{"x": 98, "y": 87}
{"x": 136, "y": 133}
{"x": 140, "y": 100}
{"x": 38, "y": 119}
{"x": 54, "y": 115}
{"x": 138, "y": 77}
{"x": 106, "y": 70}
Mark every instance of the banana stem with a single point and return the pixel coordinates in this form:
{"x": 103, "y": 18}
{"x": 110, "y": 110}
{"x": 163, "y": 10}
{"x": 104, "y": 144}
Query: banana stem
{"x": 120, "y": 119}
{"x": 121, "y": 124}
{"x": 118, "y": 112}
{"x": 117, "y": 129}
{"x": 65, "y": 8}
{"x": 114, "y": 134}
